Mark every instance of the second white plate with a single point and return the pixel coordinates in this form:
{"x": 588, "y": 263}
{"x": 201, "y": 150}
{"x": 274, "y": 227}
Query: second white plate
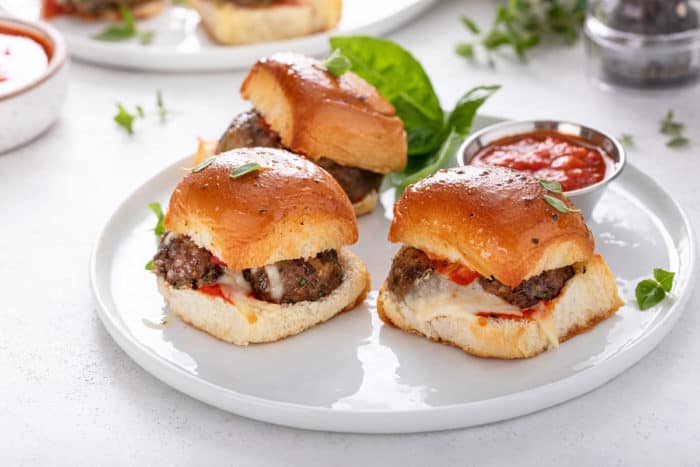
{"x": 181, "y": 44}
{"x": 355, "y": 374}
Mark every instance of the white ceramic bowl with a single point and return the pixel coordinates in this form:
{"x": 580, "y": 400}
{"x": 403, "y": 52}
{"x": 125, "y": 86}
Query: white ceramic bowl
{"x": 28, "y": 111}
{"x": 584, "y": 198}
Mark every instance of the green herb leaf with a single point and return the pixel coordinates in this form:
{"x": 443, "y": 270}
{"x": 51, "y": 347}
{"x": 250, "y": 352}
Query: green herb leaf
{"x": 122, "y": 32}
{"x": 471, "y": 25}
{"x": 401, "y": 79}
{"x": 677, "y": 142}
{"x": 125, "y": 119}
{"x": 551, "y": 185}
{"x": 465, "y": 50}
{"x": 302, "y": 282}
{"x": 337, "y": 63}
{"x": 559, "y": 205}
{"x": 245, "y": 169}
{"x": 162, "y": 111}
{"x": 664, "y": 278}
{"x": 159, "y": 229}
{"x": 149, "y": 266}
{"x": 627, "y": 140}
{"x": 649, "y": 293}
{"x": 670, "y": 127}
{"x": 203, "y": 165}
{"x": 462, "y": 116}
{"x": 139, "y": 111}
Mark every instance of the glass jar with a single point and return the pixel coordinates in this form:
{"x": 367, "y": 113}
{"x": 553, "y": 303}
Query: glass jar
{"x": 643, "y": 44}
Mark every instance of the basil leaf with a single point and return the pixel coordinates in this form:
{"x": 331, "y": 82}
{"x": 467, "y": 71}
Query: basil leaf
{"x": 159, "y": 229}
{"x": 559, "y": 205}
{"x": 471, "y": 25}
{"x": 677, "y": 142}
{"x": 149, "y": 266}
{"x": 162, "y": 111}
{"x": 465, "y": 49}
{"x": 420, "y": 167}
{"x": 649, "y": 293}
{"x": 664, "y": 278}
{"x": 551, "y": 185}
{"x": 627, "y": 140}
{"x": 245, "y": 169}
{"x": 203, "y": 165}
{"x": 669, "y": 126}
{"x": 462, "y": 116}
{"x": 337, "y": 63}
{"x": 125, "y": 119}
{"x": 401, "y": 79}
{"x": 124, "y": 31}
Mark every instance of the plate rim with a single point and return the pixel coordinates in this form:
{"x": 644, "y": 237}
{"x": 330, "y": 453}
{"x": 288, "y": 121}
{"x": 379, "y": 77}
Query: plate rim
{"x": 459, "y": 415}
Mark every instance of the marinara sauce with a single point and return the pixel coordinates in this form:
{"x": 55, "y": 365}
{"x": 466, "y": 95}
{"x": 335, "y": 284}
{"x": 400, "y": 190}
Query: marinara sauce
{"x": 548, "y": 155}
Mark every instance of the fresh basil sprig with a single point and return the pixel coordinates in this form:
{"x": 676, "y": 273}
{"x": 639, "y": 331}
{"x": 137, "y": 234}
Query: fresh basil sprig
{"x": 432, "y": 136}
{"x": 159, "y": 229}
{"x": 673, "y": 129}
{"x": 651, "y": 292}
{"x": 337, "y": 63}
{"x": 126, "y": 119}
{"x": 245, "y": 169}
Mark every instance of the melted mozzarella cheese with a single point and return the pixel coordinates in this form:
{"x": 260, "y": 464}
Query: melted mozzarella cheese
{"x": 275, "y": 281}
{"x": 437, "y": 295}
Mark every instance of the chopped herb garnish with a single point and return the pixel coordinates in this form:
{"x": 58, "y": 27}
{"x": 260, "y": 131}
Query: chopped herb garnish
{"x": 125, "y": 119}
{"x": 162, "y": 111}
{"x": 627, "y": 140}
{"x": 465, "y": 50}
{"x": 203, "y": 165}
{"x": 149, "y": 266}
{"x": 337, "y": 63}
{"x": 302, "y": 282}
{"x": 650, "y": 292}
{"x": 159, "y": 229}
{"x": 140, "y": 112}
{"x": 674, "y": 129}
{"x": 471, "y": 25}
{"x": 559, "y": 205}
{"x": 551, "y": 185}
{"x": 245, "y": 169}
{"x": 126, "y": 30}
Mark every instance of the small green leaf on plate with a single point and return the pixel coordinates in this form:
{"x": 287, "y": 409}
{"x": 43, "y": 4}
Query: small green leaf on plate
{"x": 149, "y": 266}
{"x": 677, "y": 142}
{"x": 551, "y": 185}
{"x": 159, "y": 229}
{"x": 559, "y": 205}
{"x": 125, "y": 119}
{"x": 649, "y": 293}
{"x": 471, "y": 25}
{"x": 664, "y": 278}
{"x": 245, "y": 169}
{"x": 465, "y": 49}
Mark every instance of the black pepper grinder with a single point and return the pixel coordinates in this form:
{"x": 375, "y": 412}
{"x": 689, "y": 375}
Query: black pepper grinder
{"x": 652, "y": 18}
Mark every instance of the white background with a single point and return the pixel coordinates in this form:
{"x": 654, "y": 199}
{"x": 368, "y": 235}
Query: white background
{"x": 69, "y": 396}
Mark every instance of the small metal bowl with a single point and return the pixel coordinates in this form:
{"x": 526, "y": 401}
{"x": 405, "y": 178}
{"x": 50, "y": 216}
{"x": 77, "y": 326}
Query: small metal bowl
{"x": 584, "y": 198}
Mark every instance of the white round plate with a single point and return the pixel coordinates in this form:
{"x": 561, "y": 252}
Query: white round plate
{"x": 180, "y": 43}
{"x": 355, "y": 374}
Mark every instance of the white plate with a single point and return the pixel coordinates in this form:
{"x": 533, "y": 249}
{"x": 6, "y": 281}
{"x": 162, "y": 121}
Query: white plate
{"x": 181, "y": 44}
{"x": 355, "y": 374}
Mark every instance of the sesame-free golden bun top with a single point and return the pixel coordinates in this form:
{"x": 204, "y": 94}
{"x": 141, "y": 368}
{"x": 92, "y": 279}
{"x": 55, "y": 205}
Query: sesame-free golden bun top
{"x": 316, "y": 114}
{"x": 289, "y": 209}
{"x": 493, "y": 220}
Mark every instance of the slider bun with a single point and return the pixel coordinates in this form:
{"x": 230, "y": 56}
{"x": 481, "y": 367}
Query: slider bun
{"x": 230, "y": 24}
{"x": 366, "y": 204}
{"x": 290, "y": 209}
{"x": 251, "y": 320}
{"x": 344, "y": 119}
{"x": 587, "y": 298}
{"x": 493, "y": 220}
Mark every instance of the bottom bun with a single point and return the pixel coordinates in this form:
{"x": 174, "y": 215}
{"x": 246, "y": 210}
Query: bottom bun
{"x": 588, "y": 298}
{"x": 366, "y": 204}
{"x": 250, "y": 320}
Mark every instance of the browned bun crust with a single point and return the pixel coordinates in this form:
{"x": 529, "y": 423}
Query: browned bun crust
{"x": 493, "y": 220}
{"x": 316, "y": 114}
{"x": 290, "y": 209}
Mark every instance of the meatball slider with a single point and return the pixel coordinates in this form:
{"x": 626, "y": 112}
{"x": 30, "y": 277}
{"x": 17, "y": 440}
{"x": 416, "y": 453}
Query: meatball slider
{"x": 341, "y": 123}
{"x": 232, "y": 22}
{"x": 102, "y": 9}
{"x": 490, "y": 267}
{"x": 255, "y": 247}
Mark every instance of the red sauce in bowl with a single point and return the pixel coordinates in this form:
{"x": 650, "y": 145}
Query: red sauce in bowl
{"x": 548, "y": 155}
{"x": 24, "y": 57}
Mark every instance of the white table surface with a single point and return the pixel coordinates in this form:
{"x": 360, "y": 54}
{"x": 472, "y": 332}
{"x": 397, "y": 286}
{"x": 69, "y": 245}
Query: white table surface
{"x": 69, "y": 396}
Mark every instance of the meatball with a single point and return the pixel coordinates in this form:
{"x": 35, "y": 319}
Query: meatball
{"x": 296, "y": 280}
{"x": 355, "y": 182}
{"x": 546, "y": 286}
{"x": 183, "y": 264}
{"x": 248, "y": 130}
{"x": 409, "y": 265}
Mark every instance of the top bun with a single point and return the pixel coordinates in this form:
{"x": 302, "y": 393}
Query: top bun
{"x": 344, "y": 119}
{"x": 493, "y": 220}
{"x": 289, "y": 209}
